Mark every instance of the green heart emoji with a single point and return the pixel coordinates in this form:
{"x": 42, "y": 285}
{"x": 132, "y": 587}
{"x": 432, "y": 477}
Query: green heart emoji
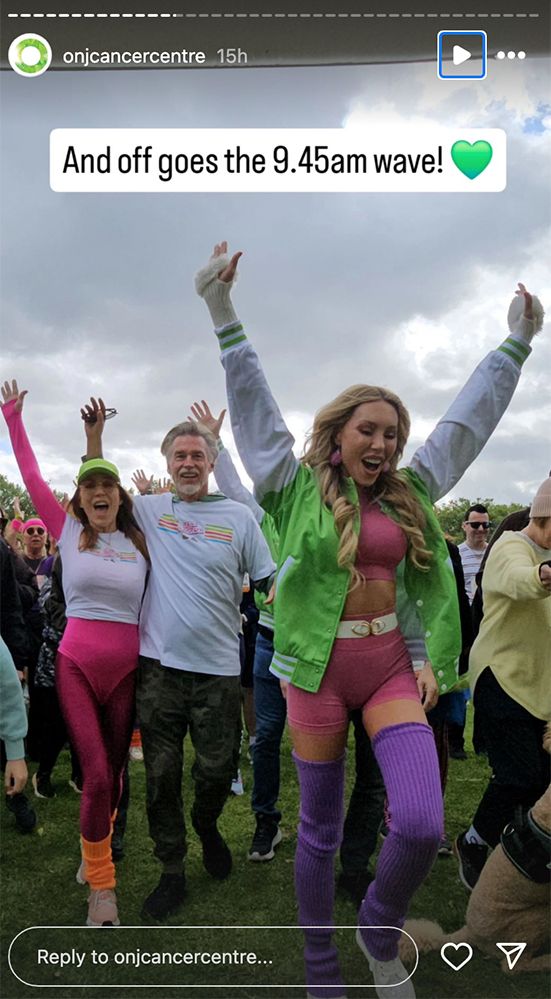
{"x": 471, "y": 158}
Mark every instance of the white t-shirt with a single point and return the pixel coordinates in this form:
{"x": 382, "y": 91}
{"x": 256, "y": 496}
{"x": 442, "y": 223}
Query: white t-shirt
{"x": 470, "y": 560}
{"x": 105, "y": 583}
{"x": 199, "y": 553}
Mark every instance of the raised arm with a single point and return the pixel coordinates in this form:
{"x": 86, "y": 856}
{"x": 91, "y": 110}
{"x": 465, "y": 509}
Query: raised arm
{"x": 461, "y": 434}
{"x": 264, "y": 443}
{"x": 93, "y": 414}
{"x": 225, "y": 472}
{"x": 44, "y": 501}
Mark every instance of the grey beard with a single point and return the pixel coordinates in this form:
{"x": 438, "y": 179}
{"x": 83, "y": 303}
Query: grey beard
{"x": 189, "y": 489}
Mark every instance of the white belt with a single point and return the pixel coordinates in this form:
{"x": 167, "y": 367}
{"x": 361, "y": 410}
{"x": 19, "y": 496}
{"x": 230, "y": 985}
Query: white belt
{"x": 361, "y": 629}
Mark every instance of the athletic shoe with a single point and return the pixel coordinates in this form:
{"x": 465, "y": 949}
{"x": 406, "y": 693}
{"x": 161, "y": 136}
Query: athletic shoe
{"x": 355, "y": 885}
{"x": 76, "y": 783}
{"x": 25, "y": 816}
{"x": 166, "y": 898}
{"x": 266, "y": 837}
{"x": 102, "y": 908}
{"x": 136, "y": 754}
{"x": 81, "y": 873}
{"x": 390, "y": 977}
{"x": 471, "y": 857}
{"x": 217, "y": 859}
{"x": 42, "y": 785}
{"x": 237, "y": 785}
{"x": 445, "y": 849}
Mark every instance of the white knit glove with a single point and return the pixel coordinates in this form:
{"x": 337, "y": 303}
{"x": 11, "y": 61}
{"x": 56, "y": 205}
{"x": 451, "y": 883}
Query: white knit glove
{"x": 217, "y": 294}
{"x": 516, "y": 321}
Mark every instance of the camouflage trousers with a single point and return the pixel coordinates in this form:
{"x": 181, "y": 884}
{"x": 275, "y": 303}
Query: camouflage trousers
{"x": 171, "y": 702}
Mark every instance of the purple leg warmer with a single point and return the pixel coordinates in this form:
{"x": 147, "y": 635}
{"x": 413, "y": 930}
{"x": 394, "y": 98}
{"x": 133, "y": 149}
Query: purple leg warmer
{"x": 407, "y": 757}
{"x": 319, "y": 836}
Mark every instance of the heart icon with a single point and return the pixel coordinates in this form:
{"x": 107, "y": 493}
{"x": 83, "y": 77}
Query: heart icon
{"x": 471, "y": 158}
{"x": 455, "y": 962}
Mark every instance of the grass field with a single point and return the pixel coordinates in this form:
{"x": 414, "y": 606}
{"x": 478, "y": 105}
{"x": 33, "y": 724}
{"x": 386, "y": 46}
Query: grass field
{"x": 39, "y": 890}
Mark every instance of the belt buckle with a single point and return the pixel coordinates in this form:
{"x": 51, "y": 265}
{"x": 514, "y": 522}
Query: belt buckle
{"x": 362, "y": 629}
{"x": 377, "y": 626}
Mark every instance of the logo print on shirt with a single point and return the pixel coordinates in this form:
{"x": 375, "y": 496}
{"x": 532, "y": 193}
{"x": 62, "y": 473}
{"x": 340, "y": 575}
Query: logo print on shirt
{"x": 109, "y": 554}
{"x": 188, "y": 530}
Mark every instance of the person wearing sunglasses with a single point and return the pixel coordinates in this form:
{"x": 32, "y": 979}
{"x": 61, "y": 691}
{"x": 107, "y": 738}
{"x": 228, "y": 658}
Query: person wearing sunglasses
{"x": 476, "y": 525}
{"x": 105, "y": 564}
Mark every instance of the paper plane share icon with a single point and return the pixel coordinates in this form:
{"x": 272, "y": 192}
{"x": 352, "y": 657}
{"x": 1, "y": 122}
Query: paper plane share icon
{"x": 512, "y": 952}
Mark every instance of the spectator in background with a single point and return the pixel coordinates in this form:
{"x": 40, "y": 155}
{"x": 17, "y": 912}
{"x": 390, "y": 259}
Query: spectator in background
{"x": 510, "y": 664}
{"x": 476, "y": 526}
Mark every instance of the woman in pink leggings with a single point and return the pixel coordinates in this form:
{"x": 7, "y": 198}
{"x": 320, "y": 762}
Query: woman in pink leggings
{"x": 105, "y": 565}
{"x": 355, "y": 532}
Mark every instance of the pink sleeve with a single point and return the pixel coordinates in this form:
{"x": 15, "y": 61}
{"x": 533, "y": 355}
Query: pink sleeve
{"x": 45, "y": 503}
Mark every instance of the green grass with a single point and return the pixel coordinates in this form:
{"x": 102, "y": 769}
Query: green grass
{"x": 39, "y": 889}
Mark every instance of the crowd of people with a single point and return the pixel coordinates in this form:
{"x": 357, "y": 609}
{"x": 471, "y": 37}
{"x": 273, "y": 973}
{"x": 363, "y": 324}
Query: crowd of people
{"x": 361, "y": 612}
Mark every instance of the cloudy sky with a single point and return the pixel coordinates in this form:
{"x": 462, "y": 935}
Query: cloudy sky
{"x": 408, "y": 291}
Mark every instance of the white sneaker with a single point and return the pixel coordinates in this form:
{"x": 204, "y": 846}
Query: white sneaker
{"x": 390, "y": 977}
{"x": 136, "y": 754}
{"x": 237, "y": 785}
{"x": 81, "y": 873}
{"x": 102, "y": 908}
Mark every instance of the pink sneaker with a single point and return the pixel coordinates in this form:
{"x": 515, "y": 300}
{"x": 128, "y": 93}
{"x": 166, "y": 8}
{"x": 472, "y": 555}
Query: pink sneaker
{"x": 102, "y": 908}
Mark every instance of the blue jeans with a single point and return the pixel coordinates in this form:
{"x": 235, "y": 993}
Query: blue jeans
{"x": 271, "y": 710}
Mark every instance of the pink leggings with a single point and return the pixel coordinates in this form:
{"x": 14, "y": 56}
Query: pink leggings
{"x": 361, "y": 673}
{"x": 100, "y": 734}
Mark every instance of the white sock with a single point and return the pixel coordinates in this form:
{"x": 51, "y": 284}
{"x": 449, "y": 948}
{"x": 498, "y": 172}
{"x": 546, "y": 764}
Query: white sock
{"x": 471, "y": 836}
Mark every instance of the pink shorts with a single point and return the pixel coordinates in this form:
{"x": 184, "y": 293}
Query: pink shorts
{"x": 105, "y": 651}
{"x": 361, "y": 673}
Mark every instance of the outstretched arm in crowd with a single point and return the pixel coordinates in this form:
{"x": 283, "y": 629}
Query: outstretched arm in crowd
{"x": 225, "y": 472}
{"x": 263, "y": 440}
{"x": 460, "y": 435}
{"x": 45, "y": 503}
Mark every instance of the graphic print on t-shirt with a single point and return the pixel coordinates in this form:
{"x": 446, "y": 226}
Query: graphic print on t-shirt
{"x": 189, "y": 530}
{"x": 110, "y": 554}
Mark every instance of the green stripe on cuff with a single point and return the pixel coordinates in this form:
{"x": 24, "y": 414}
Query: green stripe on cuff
{"x": 520, "y": 350}
{"x": 505, "y": 349}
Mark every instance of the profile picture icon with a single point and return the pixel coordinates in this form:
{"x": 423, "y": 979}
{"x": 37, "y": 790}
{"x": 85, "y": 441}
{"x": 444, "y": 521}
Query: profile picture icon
{"x": 30, "y": 55}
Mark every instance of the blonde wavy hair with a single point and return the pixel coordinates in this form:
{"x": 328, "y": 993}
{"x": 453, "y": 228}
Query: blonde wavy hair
{"x": 391, "y": 486}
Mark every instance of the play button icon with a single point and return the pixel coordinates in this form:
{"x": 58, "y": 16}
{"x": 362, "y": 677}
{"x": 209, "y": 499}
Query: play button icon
{"x": 460, "y": 55}
{"x": 455, "y": 49}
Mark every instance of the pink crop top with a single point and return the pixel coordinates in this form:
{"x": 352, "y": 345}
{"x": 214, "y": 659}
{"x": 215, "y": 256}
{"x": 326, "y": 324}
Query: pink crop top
{"x": 382, "y": 543}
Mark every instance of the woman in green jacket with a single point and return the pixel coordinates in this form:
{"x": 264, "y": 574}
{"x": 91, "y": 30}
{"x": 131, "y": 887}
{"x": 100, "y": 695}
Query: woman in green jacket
{"x": 347, "y": 519}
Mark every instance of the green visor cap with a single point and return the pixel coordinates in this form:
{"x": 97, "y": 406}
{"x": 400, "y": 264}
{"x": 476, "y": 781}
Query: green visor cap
{"x": 97, "y": 465}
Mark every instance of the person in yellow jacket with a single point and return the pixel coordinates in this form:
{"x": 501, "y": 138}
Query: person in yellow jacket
{"x": 510, "y": 665}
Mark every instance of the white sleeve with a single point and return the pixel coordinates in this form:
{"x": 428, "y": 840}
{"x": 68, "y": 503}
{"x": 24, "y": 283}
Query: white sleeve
{"x": 230, "y": 484}
{"x": 258, "y": 561}
{"x": 461, "y": 434}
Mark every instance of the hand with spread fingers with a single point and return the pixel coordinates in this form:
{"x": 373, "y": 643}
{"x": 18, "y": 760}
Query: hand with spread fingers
{"x": 11, "y": 393}
{"x": 202, "y": 414}
{"x": 143, "y": 484}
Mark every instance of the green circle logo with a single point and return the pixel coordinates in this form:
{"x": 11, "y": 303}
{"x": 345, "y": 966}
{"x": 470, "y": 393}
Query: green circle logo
{"x": 30, "y": 55}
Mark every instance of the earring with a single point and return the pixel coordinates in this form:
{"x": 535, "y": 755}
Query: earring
{"x": 336, "y": 457}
